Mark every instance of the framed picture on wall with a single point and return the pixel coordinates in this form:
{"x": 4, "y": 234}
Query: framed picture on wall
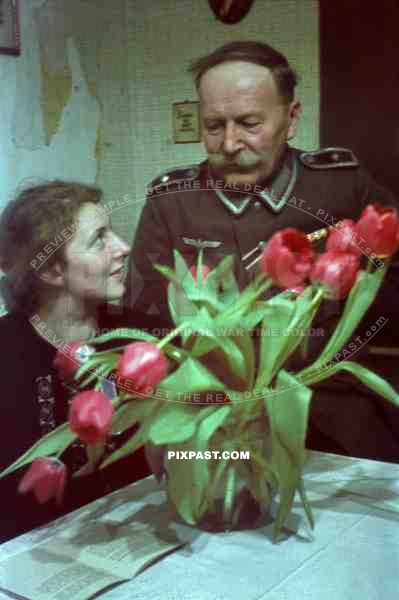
{"x": 9, "y": 27}
{"x": 186, "y": 123}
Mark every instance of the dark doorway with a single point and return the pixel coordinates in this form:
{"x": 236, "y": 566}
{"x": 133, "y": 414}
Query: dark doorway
{"x": 359, "y": 46}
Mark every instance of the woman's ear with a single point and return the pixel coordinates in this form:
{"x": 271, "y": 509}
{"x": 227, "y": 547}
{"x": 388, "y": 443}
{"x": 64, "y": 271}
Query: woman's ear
{"x": 53, "y": 275}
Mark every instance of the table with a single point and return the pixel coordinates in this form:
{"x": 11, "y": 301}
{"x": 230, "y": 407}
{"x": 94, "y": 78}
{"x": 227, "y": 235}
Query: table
{"x": 353, "y": 553}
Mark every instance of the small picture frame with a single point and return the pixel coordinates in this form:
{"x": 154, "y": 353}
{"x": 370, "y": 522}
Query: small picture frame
{"x": 186, "y": 122}
{"x": 9, "y": 28}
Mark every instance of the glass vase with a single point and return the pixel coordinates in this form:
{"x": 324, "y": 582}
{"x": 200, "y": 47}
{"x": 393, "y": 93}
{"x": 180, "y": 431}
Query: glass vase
{"x": 246, "y": 505}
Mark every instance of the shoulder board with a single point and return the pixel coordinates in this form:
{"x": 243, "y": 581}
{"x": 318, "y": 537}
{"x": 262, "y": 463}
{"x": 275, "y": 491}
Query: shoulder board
{"x": 329, "y": 158}
{"x": 175, "y": 176}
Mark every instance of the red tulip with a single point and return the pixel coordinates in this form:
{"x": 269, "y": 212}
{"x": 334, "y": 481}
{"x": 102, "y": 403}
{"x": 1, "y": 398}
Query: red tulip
{"x": 46, "y": 478}
{"x": 337, "y": 272}
{"x": 72, "y": 356}
{"x": 205, "y": 272}
{"x": 378, "y": 230}
{"x": 344, "y": 238}
{"x": 90, "y": 416}
{"x": 288, "y": 258}
{"x": 142, "y": 365}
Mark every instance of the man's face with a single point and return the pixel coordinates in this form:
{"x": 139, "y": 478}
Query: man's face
{"x": 245, "y": 122}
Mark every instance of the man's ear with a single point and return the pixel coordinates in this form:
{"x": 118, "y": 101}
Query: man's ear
{"x": 295, "y": 111}
{"x": 53, "y": 275}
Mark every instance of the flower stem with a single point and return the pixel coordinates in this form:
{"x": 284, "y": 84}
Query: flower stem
{"x": 174, "y": 333}
{"x": 317, "y": 297}
{"x": 370, "y": 265}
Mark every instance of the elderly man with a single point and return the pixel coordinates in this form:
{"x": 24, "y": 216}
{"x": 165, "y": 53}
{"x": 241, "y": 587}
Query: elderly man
{"x": 253, "y": 184}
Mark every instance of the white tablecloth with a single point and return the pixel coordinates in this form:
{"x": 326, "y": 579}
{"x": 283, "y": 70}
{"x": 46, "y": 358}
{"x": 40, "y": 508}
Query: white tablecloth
{"x": 353, "y": 553}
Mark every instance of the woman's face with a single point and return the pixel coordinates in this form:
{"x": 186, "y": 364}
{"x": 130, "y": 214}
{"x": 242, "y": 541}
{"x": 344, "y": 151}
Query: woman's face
{"x": 94, "y": 259}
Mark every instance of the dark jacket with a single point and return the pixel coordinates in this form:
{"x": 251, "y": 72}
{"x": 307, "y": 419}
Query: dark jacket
{"x": 34, "y": 401}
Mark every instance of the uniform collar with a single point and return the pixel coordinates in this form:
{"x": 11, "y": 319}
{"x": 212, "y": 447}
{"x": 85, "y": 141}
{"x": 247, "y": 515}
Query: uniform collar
{"x": 274, "y": 192}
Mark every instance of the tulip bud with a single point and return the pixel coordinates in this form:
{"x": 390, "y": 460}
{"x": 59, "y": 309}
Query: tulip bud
{"x": 288, "y": 258}
{"x": 90, "y": 416}
{"x": 344, "y": 239}
{"x": 142, "y": 365}
{"x": 378, "y": 230}
{"x": 69, "y": 360}
{"x": 337, "y": 272}
{"x": 205, "y": 272}
{"x": 46, "y": 478}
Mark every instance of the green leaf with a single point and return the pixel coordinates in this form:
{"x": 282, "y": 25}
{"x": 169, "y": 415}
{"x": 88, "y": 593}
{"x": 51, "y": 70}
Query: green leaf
{"x": 370, "y": 379}
{"x": 54, "y": 442}
{"x": 180, "y": 307}
{"x": 247, "y": 298}
{"x": 306, "y": 309}
{"x": 190, "y": 377}
{"x": 155, "y": 456}
{"x": 271, "y": 347}
{"x": 185, "y": 483}
{"x": 100, "y": 371}
{"x": 246, "y": 345}
{"x": 222, "y": 272}
{"x": 288, "y": 416}
{"x": 359, "y": 300}
{"x": 189, "y": 294}
{"x": 186, "y": 296}
{"x": 174, "y": 423}
{"x": 305, "y": 502}
{"x": 221, "y": 284}
{"x": 217, "y": 470}
{"x": 210, "y": 422}
{"x": 228, "y": 290}
{"x": 133, "y": 411}
{"x": 261, "y": 310}
{"x": 230, "y": 488}
{"x": 211, "y": 337}
{"x": 133, "y": 443}
{"x": 94, "y": 453}
{"x": 188, "y": 480}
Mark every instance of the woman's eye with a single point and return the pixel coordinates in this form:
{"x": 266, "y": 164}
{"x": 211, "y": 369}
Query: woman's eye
{"x": 100, "y": 238}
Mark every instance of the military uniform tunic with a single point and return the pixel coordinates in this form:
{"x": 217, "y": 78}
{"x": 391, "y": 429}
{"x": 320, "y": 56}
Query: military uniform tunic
{"x": 188, "y": 208}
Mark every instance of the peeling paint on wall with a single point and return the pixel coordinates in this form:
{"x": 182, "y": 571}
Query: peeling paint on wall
{"x": 56, "y": 91}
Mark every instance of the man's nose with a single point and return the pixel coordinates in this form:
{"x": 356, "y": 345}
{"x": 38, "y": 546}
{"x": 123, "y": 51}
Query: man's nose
{"x": 232, "y": 141}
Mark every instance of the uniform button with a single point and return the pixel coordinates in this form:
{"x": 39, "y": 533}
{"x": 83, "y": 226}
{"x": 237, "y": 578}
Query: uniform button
{"x": 165, "y": 178}
{"x": 257, "y": 205}
{"x": 335, "y": 156}
{"x": 191, "y": 173}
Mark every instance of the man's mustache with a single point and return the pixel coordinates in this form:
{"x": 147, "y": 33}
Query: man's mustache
{"x": 243, "y": 161}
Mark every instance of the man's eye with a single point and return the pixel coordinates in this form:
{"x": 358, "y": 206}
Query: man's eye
{"x": 250, "y": 124}
{"x": 213, "y": 127}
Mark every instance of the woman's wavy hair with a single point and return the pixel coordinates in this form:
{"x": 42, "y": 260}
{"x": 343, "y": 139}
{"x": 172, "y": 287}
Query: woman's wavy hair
{"x": 29, "y": 224}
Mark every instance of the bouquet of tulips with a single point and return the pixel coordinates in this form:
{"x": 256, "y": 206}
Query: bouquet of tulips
{"x": 200, "y": 388}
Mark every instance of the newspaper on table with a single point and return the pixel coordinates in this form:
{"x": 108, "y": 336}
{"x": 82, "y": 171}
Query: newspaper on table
{"x": 94, "y": 558}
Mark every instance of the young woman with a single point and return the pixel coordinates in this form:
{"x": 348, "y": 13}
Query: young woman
{"x": 63, "y": 264}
